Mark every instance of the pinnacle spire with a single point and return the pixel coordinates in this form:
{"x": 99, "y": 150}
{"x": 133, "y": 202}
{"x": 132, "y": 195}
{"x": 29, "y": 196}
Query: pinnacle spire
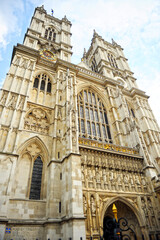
{"x": 83, "y": 59}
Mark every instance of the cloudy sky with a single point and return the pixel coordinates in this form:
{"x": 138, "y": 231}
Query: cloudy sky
{"x": 134, "y": 24}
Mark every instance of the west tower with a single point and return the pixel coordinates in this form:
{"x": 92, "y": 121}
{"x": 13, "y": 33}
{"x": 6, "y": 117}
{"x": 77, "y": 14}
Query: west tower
{"x": 75, "y": 139}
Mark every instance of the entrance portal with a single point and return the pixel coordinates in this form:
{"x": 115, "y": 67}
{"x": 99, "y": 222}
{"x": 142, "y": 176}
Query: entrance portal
{"x": 123, "y": 211}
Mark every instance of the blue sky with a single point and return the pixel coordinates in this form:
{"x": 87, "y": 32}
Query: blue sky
{"x": 134, "y": 24}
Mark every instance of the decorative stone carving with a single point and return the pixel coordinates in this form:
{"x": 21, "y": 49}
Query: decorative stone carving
{"x": 12, "y": 101}
{"x": 93, "y": 206}
{"x": 21, "y": 103}
{"x": 33, "y": 149}
{"x": 3, "y": 98}
{"x": 36, "y": 120}
{"x": 24, "y": 63}
{"x": 30, "y": 65}
{"x": 90, "y": 176}
{"x": 84, "y": 205}
{"x": 144, "y": 207}
{"x": 150, "y": 208}
{"x": 16, "y": 60}
{"x": 98, "y": 178}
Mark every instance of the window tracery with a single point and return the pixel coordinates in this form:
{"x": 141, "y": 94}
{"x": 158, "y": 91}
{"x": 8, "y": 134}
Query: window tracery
{"x": 50, "y": 34}
{"x": 30, "y": 174}
{"x": 92, "y": 117}
{"x": 112, "y": 60}
{"x": 43, "y": 82}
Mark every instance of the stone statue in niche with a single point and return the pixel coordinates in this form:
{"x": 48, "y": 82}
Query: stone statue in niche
{"x": 111, "y": 177}
{"x": 137, "y": 180}
{"x": 150, "y": 208}
{"x": 89, "y": 159}
{"x": 143, "y": 181}
{"x": 83, "y": 175}
{"x": 118, "y": 178}
{"x": 98, "y": 178}
{"x": 125, "y": 179}
{"x": 104, "y": 175}
{"x": 93, "y": 206}
{"x": 84, "y": 205}
{"x": 90, "y": 177}
{"x": 145, "y": 210}
{"x": 103, "y": 162}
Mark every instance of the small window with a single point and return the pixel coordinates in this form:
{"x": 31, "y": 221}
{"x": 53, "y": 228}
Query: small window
{"x": 42, "y": 85}
{"x": 36, "y": 83}
{"x": 49, "y": 87}
{"x": 46, "y": 33}
{"x": 54, "y": 37}
{"x": 59, "y": 207}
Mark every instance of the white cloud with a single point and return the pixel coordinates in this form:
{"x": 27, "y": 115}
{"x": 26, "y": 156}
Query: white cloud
{"x": 9, "y": 22}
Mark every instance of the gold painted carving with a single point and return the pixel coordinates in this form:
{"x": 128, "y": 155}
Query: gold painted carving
{"x": 107, "y": 146}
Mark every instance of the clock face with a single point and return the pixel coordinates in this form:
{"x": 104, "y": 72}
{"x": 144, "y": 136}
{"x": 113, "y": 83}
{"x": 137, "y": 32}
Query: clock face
{"x": 46, "y": 54}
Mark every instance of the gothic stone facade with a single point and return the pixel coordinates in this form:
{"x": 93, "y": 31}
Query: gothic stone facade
{"x": 74, "y": 139}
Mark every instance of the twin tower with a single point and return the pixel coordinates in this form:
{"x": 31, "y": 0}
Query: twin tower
{"x": 74, "y": 139}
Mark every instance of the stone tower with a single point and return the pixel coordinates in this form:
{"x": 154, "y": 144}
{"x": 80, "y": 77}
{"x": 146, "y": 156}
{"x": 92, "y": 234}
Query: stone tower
{"x": 74, "y": 139}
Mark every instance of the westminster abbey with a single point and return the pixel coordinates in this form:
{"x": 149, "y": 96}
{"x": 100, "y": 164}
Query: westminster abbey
{"x": 75, "y": 140}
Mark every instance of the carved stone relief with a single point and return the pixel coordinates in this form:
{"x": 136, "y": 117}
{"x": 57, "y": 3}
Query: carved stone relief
{"x": 3, "y": 98}
{"x": 12, "y": 101}
{"x": 112, "y": 173}
{"x": 37, "y": 121}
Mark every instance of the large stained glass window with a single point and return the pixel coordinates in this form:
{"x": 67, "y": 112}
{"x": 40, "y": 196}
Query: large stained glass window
{"x": 93, "y": 121}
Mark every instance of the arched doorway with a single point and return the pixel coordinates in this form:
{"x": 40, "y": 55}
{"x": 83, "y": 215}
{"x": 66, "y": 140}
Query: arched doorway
{"x": 123, "y": 211}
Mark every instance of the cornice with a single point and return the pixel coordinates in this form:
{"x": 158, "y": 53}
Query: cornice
{"x": 136, "y": 91}
{"x": 24, "y": 49}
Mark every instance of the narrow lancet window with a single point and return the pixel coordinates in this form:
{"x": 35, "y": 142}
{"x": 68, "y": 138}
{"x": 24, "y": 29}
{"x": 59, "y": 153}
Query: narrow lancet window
{"x": 42, "y": 85}
{"x": 35, "y": 190}
{"x": 36, "y": 83}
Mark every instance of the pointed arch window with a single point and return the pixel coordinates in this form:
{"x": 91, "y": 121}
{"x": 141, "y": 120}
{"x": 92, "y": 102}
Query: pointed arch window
{"x": 42, "y": 85}
{"x": 35, "y": 189}
{"x": 49, "y": 87}
{"x": 112, "y": 60}
{"x": 36, "y": 82}
{"x": 50, "y": 34}
{"x": 94, "y": 66}
{"x": 92, "y": 117}
{"x": 43, "y": 82}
